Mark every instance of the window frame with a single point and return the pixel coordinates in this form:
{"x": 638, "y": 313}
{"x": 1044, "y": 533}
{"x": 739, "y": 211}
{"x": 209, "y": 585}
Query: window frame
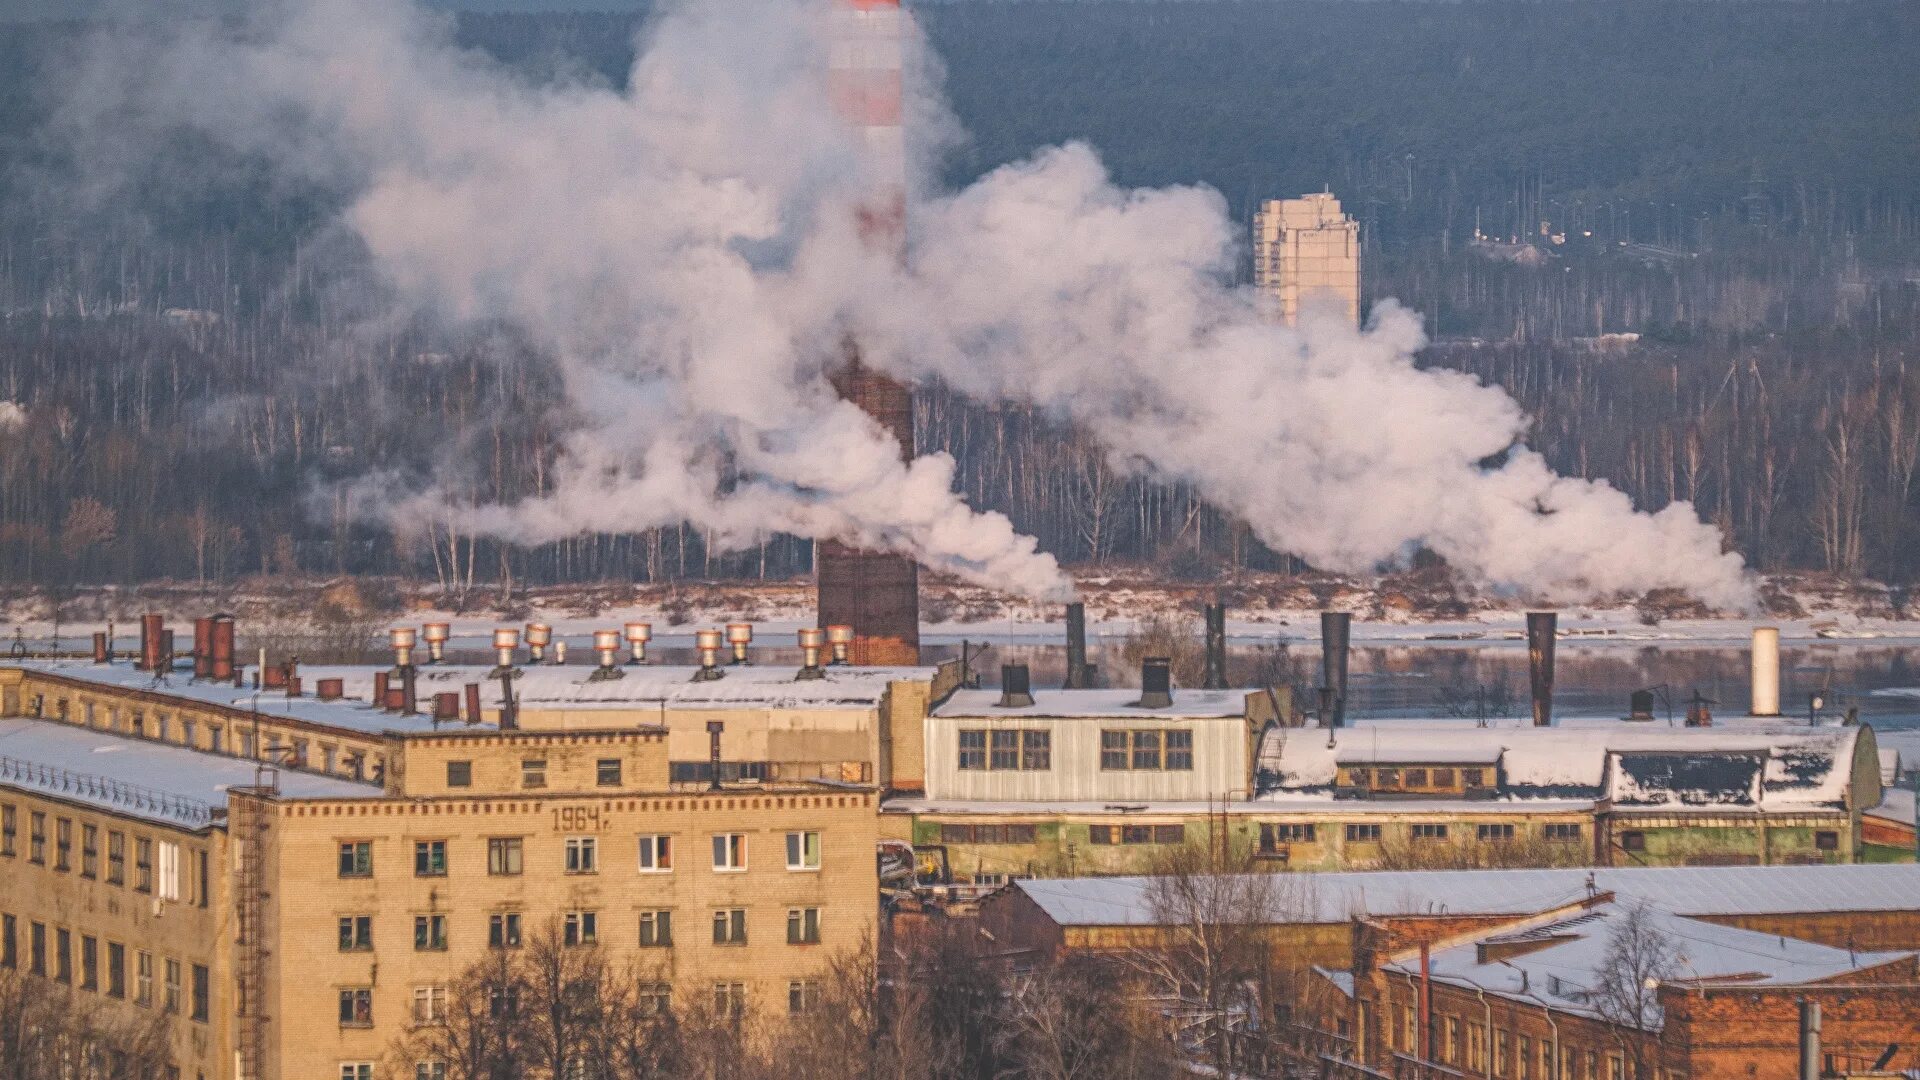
{"x": 803, "y": 926}
{"x": 430, "y": 858}
{"x": 655, "y": 853}
{"x": 601, "y": 772}
{"x": 356, "y": 858}
{"x": 503, "y": 930}
{"x": 430, "y": 932}
{"x": 506, "y": 856}
{"x": 460, "y": 773}
{"x": 582, "y": 855}
{"x": 581, "y": 927}
{"x": 803, "y": 856}
{"x": 656, "y": 928}
{"x": 730, "y": 853}
{"x": 729, "y": 927}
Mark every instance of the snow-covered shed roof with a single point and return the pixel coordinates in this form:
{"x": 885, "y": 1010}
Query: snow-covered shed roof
{"x": 649, "y": 686}
{"x": 1687, "y": 890}
{"x": 350, "y": 714}
{"x": 141, "y": 778}
{"x": 1569, "y": 956}
{"x": 1102, "y": 704}
{"x": 1634, "y": 764}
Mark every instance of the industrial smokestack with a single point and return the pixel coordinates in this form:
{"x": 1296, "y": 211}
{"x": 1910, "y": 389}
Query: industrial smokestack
{"x": 1156, "y": 683}
{"x": 435, "y": 634}
{"x": 638, "y": 634}
{"x": 150, "y": 624}
{"x": 1541, "y": 627}
{"x": 1336, "y": 628}
{"x": 1016, "y": 691}
{"x": 606, "y": 648}
{"x": 1216, "y": 677}
{"x": 1077, "y": 676}
{"x": 739, "y": 636}
{"x": 220, "y": 639}
{"x": 166, "y": 649}
{"x": 812, "y": 640}
{"x": 203, "y": 648}
{"x": 708, "y": 643}
{"x": 1766, "y": 671}
{"x": 409, "y": 701}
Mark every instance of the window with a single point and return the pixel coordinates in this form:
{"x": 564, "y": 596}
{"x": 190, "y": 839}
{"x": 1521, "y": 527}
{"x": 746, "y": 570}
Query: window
{"x": 503, "y": 930}
{"x": 429, "y": 933}
{"x": 1363, "y": 834}
{"x": 37, "y": 948}
{"x": 89, "y": 851}
{"x": 169, "y": 881}
{"x": 656, "y": 929}
{"x": 116, "y": 970}
{"x": 582, "y": 852}
{"x": 656, "y": 998}
{"x": 356, "y": 1070}
{"x": 803, "y": 926}
{"x": 1137, "y": 834}
{"x": 987, "y": 834}
{"x": 1150, "y": 750}
{"x": 606, "y": 772}
{"x": 356, "y": 933}
{"x": 1417, "y": 778}
{"x": 37, "y": 838}
{"x": 533, "y": 772}
{"x": 1036, "y": 750}
{"x": 503, "y": 856}
{"x": 1274, "y": 835}
{"x": 656, "y": 854}
{"x": 582, "y": 928}
{"x": 1443, "y": 778}
{"x": 142, "y": 977}
{"x": 1493, "y": 834}
{"x": 63, "y": 844}
{"x": 803, "y": 851}
{"x": 116, "y": 858}
{"x": 730, "y": 926}
{"x": 63, "y": 954}
{"x": 172, "y": 999}
{"x": 9, "y": 829}
{"x": 1633, "y": 840}
{"x": 430, "y": 1070}
{"x": 1385, "y": 779}
{"x": 1357, "y": 777}
{"x": 1473, "y": 778}
{"x": 1826, "y": 841}
{"x": 429, "y": 858}
{"x": 201, "y": 992}
{"x": 1006, "y": 750}
{"x": 1113, "y": 750}
{"x": 730, "y": 1000}
{"x": 1180, "y": 751}
{"x": 973, "y": 750}
{"x": 459, "y": 774}
{"x": 1562, "y": 831}
{"x": 356, "y": 859}
{"x": 1429, "y": 832}
{"x": 729, "y": 852}
{"x": 503, "y": 1000}
{"x": 356, "y": 1009}
{"x": 429, "y": 1004}
{"x": 9, "y": 954}
{"x": 1146, "y": 750}
{"x": 90, "y": 963}
{"x": 803, "y": 997}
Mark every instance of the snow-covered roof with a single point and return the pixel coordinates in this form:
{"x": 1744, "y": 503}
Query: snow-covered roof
{"x": 1687, "y": 890}
{"x": 1266, "y": 806}
{"x": 1566, "y": 966}
{"x": 140, "y": 778}
{"x": 648, "y": 686}
{"x": 1896, "y": 805}
{"x": 1635, "y": 764}
{"x": 1106, "y": 704}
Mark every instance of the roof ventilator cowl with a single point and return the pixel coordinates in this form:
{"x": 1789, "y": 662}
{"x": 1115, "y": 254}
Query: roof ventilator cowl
{"x": 1016, "y": 691}
{"x": 1156, "y": 683}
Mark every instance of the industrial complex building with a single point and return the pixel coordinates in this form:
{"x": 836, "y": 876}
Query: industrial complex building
{"x": 1306, "y": 250}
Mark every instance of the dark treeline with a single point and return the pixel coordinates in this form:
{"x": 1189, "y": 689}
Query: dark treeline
{"x": 1734, "y": 184}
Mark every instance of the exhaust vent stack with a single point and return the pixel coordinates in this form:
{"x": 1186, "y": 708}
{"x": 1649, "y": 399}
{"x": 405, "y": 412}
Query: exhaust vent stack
{"x": 606, "y": 648}
{"x": 1078, "y": 676}
{"x": 560, "y": 651}
{"x": 739, "y": 635}
{"x": 1016, "y": 688}
{"x": 202, "y": 648}
{"x": 1640, "y": 706}
{"x": 220, "y": 667}
{"x": 1216, "y": 678}
{"x": 435, "y": 634}
{"x": 1766, "y": 671}
{"x": 1156, "y": 683}
{"x": 505, "y": 641}
{"x": 150, "y": 624}
{"x": 382, "y": 683}
{"x": 840, "y": 637}
{"x": 1336, "y": 630}
{"x": 446, "y": 707}
{"x": 100, "y": 648}
{"x": 1541, "y": 627}
{"x": 708, "y": 642}
{"x": 473, "y": 703}
{"x": 330, "y": 689}
{"x": 539, "y": 636}
{"x": 812, "y": 640}
{"x": 714, "y": 728}
{"x": 638, "y": 634}
{"x": 402, "y": 639}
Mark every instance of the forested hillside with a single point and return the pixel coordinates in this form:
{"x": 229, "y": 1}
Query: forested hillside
{"x": 1736, "y": 184}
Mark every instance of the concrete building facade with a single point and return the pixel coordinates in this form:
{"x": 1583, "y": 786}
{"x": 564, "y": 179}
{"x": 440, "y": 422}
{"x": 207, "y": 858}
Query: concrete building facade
{"x": 1306, "y": 250}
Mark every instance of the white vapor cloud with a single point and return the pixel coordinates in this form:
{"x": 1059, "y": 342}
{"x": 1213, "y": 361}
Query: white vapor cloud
{"x": 685, "y": 250}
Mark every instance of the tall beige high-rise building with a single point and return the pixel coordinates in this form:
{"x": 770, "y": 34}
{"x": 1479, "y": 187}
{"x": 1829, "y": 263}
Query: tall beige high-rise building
{"x": 1306, "y": 246}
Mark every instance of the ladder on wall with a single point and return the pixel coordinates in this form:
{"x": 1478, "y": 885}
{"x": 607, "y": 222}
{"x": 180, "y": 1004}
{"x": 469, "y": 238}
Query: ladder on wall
{"x": 250, "y": 941}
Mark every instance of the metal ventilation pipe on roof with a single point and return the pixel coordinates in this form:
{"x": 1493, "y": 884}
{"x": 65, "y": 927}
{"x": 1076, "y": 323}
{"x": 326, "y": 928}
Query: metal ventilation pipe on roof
{"x": 606, "y": 647}
{"x": 638, "y": 634}
{"x": 435, "y": 634}
{"x": 840, "y": 638}
{"x": 150, "y": 624}
{"x": 409, "y": 701}
{"x": 402, "y": 639}
{"x": 1810, "y": 1040}
{"x": 100, "y": 655}
{"x": 560, "y": 651}
{"x": 1640, "y": 706}
{"x": 203, "y": 648}
{"x": 1216, "y": 677}
{"x": 220, "y": 642}
{"x": 708, "y": 643}
{"x": 1016, "y": 688}
{"x": 1156, "y": 683}
{"x": 1766, "y": 671}
{"x": 446, "y": 707}
{"x": 714, "y": 728}
{"x": 1077, "y": 675}
{"x": 812, "y": 640}
{"x": 1336, "y": 630}
{"x": 1541, "y": 629}
{"x": 739, "y": 635}
{"x": 505, "y": 640}
{"x": 539, "y": 636}
{"x": 330, "y": 689}
{"x": 293, "y": 677}
{"x": 473, "y": 703}
{"x": 166, "y": 649}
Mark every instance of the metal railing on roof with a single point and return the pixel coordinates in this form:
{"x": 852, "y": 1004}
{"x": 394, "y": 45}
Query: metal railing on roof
{"x": 116, "y": 794}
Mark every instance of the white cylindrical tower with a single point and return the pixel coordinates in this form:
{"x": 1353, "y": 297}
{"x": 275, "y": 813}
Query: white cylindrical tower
{"x": 1766, "y": 671}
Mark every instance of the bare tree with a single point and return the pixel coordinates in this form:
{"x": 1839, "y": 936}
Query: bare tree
{"x": 1640, "y": 956}
{"x": 50, "y": 1034}
{"x": 1075, "y": 1021}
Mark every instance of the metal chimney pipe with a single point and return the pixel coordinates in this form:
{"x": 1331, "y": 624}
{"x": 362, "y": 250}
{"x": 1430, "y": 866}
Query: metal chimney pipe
{"x": 1016, "y": 687}
{"x": 150, "y": 624}
{"x": 638, "y": 634}
{"x": 1809, "y": 1040}
{"x": 840, "y": 638}
{"x": 1216, "y": 678}
{"x": 100, "y": 647}
{"x": 1336, "y": 629}
{"x": 539, "y": 635}
{"x": 409, "y": 702}
{"x": 1077, "y": 647}
{"x": 435, "y": 634}
{"x": 606, "y": 647}
{"x": 509, "y": 712}
{"x": 708, "y": 643}
{"x": 1156, "y": 683}
{"x": 473, "y": 703}
{"x": 505, "y": 640}
{"x": 739, "y": 635}
{"x": 714, "y": 728}
{"x": 166, "y": 649}
{"x": 1766, "y": 671}
{"x": 220, "y": 667}
{"x": 560, "y": 651}
{"x": 812, "y": 640}
{"x": 1541, "y": 628}
{"x": 203, "y": 647}
{"x": 402, "y": 639}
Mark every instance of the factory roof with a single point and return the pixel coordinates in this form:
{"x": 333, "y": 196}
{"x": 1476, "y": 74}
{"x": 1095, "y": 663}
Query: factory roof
{"x": 1562, "y": 963}
{"x": 1634, "y": 765}
{"x": 1686, "y": 890}
{"x": 649, "y": 686}
{"x": 139, "y": 778}
{"x": 1266, "y": 806}
{"x": 1067, "y": 704}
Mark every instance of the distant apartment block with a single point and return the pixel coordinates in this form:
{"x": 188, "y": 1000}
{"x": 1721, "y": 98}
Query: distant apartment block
{"x": 1303, "y": 248}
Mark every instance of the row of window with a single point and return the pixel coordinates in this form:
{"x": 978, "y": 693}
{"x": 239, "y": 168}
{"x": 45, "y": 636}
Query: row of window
{"x": 607, "y": 773}
{"x": 333, "y": 760}
{"x": 1390, "y": 779}
{"x": 1465, "y": 1044}
{"x": 430, "y": 932}
{"x": 506, "y": 855}
{"x": 54, "y": 956}
{"x": 1274, "y": 835}
{"x": 157, "y": 866}
{"x": 1031, "y": 750}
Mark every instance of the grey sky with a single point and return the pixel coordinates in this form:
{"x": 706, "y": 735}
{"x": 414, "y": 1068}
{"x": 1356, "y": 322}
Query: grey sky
{"x": 15, "y": 10}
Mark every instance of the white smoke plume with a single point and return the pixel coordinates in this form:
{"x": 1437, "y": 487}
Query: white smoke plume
{"x": 685, "y": 249}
